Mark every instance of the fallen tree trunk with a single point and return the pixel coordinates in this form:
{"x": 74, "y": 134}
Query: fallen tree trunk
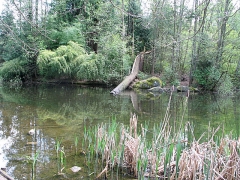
{"x": 4, "y": 175}
{"x": 128, "y": 79}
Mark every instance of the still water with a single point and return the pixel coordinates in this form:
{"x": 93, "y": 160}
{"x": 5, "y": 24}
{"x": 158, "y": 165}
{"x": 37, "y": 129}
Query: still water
{"x": 57, "y": 113}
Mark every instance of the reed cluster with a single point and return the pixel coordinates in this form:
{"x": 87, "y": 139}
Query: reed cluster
{"x": 61, "y": 157}
{"x": 163, "y": 153}
{"x": 33, "y": 160}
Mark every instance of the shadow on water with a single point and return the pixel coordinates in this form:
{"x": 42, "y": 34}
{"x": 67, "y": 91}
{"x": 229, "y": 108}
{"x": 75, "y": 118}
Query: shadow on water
{"x": 58, "y": 114}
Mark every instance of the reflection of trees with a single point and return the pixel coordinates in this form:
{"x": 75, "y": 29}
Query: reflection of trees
{"x": 15, "y": 123}
{"x": 213, "y": 110}
{"x": 73, "y": 106}
{"x": 54, "y": 112}
{"x": 59, "y": 111}
{"x": 236, "y": 108}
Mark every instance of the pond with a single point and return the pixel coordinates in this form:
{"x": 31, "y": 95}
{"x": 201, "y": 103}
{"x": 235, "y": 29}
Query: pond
{"x": 58, "y": 114}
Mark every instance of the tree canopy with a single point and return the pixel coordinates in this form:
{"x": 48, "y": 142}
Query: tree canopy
{"x": 98, "y": 40}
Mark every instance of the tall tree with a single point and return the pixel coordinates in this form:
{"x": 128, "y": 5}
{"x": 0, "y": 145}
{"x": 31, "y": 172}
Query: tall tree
{"x": 222, "y": 24}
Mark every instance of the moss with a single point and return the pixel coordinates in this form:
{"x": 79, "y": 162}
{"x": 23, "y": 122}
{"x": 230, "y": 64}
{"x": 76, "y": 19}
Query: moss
{"x": 148, "y": 83}
{"x": 193, "y": 89}
{"x": 186, "y": 88}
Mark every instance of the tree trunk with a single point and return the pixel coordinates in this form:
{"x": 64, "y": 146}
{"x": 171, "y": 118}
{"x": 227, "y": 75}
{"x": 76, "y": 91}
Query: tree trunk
{"x": 30, "y": 13}
{"x": 20, "y": 17}
{"x": 36, "y": 12}
{"x": 128, "y": 79}
{"x": 174, "y": 44}
{"x": 194, "y": 46}
{"x": 220, "y": 43}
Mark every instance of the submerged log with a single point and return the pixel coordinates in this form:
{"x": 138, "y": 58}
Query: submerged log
{"x": 5, "y": 176}
{"x": 128, "y": 79}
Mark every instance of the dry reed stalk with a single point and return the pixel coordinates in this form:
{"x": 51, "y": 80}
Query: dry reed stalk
{"x": 161, "y": 168}
{"x": 131, "y": 146}
{"x": 100, "y": 135}
{"x": 229, "y": 169}
{"x": 206, "y": 160}
{"x": 130, "y": 152}
{"x": 152, "y": 159}
{"x": 122, "y": 139}
{"x": 104, "y": 172}
{"x": 133, "y": 125}
{"x": 182, "y": 166}
{"x": 224, "y": 167}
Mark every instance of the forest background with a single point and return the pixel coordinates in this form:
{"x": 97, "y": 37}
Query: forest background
{"x": 97, "y": 40}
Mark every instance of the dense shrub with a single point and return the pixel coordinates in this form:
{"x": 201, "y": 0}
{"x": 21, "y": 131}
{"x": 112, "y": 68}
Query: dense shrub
{"x": 114, "y": 54}
{"x": 226, "y": 86}
{"x": 14, "y": 69}
{"x": 206, "y": 75}
{"x": 70, "y": 61}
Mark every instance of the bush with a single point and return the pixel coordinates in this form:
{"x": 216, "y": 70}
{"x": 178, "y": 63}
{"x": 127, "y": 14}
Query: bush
{"x": 206, "y": 75}
{"x": 226, "y": 86}
{"x": 114, "y": 54}
{"x": 69, "y": 62}
{"x": 236, "y": 80}
{"x": 170, "y": 76}
{"x": 65, "y": 34}
{"x": 13, "y": 70}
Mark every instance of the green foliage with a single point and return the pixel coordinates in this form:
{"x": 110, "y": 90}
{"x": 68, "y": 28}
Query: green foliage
{"x": 170, "y": 76}
{"x": 115, "y": 35}
{"x": 230, "y": 68}
{"x": 91, "y": 68}
{"x": 142, "y": 76}
{"x": 69, "y": 61}
{"x": 114, "y": 54}
{"x": 236, "y": 78}
{"x": 148, "y": 83}
{"x": 65, "y": 33}
{"x": 226, "y": 86}
{"x": 9, "y": 49}
{"x": 206, "y": 75}
{"x": 13, "y": 70}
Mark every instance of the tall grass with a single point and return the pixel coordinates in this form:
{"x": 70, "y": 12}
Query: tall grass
{"x": 33, "y": 159}
{"x": 167, "y": 154}
{"x": 61, "y": 157}
{"x": 76, "y": 141}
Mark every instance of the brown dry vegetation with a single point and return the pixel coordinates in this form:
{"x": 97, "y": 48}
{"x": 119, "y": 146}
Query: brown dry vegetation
{"x": 167, "y": 154}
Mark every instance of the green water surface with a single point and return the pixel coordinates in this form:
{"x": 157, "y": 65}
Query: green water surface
{"x": 59, "y": 112}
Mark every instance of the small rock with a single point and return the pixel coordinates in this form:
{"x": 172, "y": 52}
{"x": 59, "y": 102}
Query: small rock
{"x": 156, "y": 89}
{"x": 75, "y": 169}
{"x": 31, "y": 132}
{"x": 186, "y": 88}
{"x": 182, "y": 88}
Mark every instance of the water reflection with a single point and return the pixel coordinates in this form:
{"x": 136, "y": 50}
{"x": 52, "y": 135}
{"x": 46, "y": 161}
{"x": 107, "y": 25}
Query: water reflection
{"x": 59, "y": 112}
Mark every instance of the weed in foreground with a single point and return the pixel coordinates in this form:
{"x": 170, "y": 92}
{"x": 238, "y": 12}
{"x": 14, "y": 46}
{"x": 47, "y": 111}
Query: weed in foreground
{"x": 165, "y": 155}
